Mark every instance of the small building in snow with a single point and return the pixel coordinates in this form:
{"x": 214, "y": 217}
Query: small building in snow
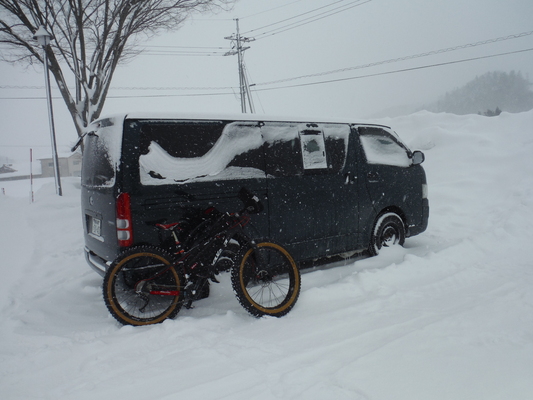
{"x": 68, "y": 166}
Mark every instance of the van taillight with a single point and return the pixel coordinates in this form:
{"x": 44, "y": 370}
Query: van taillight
{"x": 124, "y": 228}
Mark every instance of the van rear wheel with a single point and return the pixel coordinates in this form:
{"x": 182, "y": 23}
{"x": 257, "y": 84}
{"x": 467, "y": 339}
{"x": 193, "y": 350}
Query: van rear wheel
{"x": 388, "y": 230}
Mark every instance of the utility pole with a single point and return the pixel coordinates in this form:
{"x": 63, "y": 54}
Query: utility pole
{"x": 44, "y": 38}
{"x": 244, "y": 87}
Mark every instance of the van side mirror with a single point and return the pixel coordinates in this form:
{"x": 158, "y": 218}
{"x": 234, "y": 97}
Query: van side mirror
{"x": 418, "y": 157}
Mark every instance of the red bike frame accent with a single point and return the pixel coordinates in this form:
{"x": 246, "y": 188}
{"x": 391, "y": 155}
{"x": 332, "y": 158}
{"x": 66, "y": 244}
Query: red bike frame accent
{"x": 165, "y": 292}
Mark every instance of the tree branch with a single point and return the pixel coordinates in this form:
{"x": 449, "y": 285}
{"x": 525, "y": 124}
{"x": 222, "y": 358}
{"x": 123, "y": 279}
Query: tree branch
{"x": 91, "y": 37}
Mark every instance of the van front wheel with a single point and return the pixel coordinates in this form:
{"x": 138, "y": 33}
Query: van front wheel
{"x": 389, "y": 230}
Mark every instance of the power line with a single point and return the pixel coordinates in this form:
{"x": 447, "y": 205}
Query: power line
{"x": 183, "y": 54}
{"x": 311, "y": 19}
{"x": 135, "y": 87}
{"x": 389, "y": 61}
{"x": 172, "y": 88}
{"x": 237, "y": 40}
{"x": 271, "y": 9}
{"x": 27, "y": 145}
{"x": 306, "y": 84}
{"x": 397, "y": 71}
{"x": 20, "y": 87}
{"x": 300, "y": 77}
{"x": 186, "y": 47}
{"x": 183, "y": 51}
{"x": 162, "y": 47}
{"x": 293, "y": 17}
{"x": 410, "y": 57}
{"x": 171, "y": 95}
{"x": 127, "y": 97}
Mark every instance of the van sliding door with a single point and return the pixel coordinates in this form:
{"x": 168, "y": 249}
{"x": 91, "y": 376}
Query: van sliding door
{"x": 309, "y": 211}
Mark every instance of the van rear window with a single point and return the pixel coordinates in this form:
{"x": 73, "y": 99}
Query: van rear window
{"x": 97, "y": 168}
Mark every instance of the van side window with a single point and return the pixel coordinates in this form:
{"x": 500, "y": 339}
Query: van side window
{"x": 251, "y": 159}
{"x": 283, "y": 155}
{"x": 336, "y": 150}
{"x": 182, "y": 139}
{"x": 313, "y": 149}
{"x": 381, "y": 147}
{"x": 337, "y": 136}
{"x": 283, "y": 158}
{"x": 185, "y": 151}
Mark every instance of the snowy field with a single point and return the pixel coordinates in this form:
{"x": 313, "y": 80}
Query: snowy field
{"x": 450, "y": 316}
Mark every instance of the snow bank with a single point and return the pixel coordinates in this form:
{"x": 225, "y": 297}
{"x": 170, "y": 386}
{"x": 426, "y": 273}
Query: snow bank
{"x": 449, "y": 316}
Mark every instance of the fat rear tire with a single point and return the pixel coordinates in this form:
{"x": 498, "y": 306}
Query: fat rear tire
{"x": 132, "y": 282}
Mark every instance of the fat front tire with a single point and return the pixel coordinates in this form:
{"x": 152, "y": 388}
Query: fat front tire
{"x": 266, "y": 281}
{"x": 389, "y": 230}
{"x": 141, "y": 287}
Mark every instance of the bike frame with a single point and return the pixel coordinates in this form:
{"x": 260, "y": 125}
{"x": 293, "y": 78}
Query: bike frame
{"x": 226, "y": 227}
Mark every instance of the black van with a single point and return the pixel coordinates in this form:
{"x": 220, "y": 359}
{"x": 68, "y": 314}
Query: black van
{"x": 328, "y": 187}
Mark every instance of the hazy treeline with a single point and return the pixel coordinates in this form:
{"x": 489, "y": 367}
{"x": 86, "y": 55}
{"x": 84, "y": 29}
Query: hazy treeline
{"x": 488, "y": 94}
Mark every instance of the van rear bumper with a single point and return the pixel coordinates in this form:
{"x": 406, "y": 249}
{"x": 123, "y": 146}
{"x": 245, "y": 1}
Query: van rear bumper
{"x": 95, "y": 262}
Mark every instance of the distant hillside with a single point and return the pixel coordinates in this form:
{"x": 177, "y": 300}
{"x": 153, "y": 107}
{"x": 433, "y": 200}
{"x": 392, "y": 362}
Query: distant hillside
{"x": 488, "y": 94}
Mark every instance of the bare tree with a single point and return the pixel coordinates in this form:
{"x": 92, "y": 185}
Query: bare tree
{"x": 91, "y": 38}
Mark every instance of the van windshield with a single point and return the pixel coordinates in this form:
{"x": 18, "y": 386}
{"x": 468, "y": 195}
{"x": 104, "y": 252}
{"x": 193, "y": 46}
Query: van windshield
{"x": 382, "y": 147}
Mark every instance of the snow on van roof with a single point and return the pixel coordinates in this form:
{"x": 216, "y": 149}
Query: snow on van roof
{"x": 157, "y": 167}
{"x": 235, "y": 117}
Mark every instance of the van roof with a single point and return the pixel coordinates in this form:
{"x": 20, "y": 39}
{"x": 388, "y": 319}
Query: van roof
{"x": 235, "y": 117}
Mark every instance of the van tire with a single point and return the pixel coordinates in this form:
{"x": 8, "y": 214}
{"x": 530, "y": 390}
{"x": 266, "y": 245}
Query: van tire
{"x": 133, "y": 304}
{"x": 273, "y": 288}
{"x": 388, "y": 230}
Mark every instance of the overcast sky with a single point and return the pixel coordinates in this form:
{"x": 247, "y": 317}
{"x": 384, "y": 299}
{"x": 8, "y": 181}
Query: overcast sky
{"x": 322, "y": 40}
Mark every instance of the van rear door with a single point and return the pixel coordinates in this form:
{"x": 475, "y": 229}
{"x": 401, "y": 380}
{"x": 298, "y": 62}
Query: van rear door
{"x": 101, "y": 158}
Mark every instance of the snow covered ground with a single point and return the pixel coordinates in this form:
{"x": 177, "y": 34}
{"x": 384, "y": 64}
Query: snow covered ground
{"x": 450, "y": 316}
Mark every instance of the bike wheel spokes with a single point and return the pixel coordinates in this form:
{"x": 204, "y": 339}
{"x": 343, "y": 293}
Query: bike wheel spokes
{"x": 145, "y": 296}
{"x": 142, "y": 287}
{"x": 267, "y": 281}
{"x": 269, "y": 294}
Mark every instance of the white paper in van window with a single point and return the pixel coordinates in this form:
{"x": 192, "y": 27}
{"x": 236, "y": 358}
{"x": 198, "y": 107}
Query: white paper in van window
{"x": 313, "y": 151}
{"x": 236, "y": 138}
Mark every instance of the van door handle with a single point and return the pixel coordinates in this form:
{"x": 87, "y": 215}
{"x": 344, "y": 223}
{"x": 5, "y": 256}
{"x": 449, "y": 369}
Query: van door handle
{"x": 349, "y": 178}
